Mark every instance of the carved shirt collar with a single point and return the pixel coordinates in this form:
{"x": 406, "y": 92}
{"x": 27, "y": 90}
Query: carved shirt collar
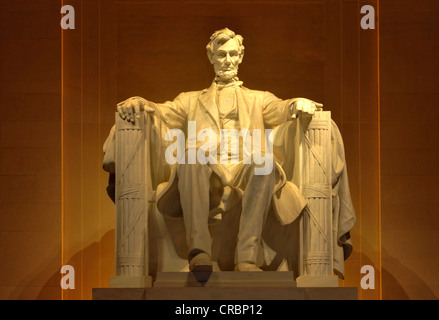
{"x": 235, "y": 83}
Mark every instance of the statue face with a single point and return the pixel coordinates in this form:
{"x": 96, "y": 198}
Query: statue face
{"x": 226, "y": 60}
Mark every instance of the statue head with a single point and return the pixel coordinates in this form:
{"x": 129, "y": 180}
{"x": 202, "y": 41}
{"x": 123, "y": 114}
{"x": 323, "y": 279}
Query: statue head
{"x": 225, "y": 51}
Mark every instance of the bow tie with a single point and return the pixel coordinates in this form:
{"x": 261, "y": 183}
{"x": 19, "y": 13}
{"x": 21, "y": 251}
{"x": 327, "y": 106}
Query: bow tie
{"x": 232, "y": 84}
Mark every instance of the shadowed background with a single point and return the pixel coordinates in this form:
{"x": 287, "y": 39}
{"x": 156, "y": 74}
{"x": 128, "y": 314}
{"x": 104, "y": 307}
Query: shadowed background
{"x": 58, "y": 96}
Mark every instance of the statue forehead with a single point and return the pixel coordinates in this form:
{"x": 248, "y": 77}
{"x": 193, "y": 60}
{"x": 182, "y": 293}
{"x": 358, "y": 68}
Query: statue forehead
{"x": 231, "y": 44}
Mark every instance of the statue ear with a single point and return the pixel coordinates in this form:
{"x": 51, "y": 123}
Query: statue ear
{"x": 209, "y": 56}
{"x": 241, "y": 57}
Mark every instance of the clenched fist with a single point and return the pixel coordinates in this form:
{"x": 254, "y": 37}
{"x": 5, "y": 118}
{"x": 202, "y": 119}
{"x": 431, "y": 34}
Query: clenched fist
{"x": 304, "y": 107}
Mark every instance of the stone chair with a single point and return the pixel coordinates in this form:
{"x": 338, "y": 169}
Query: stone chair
{"x": 313, "y": 246}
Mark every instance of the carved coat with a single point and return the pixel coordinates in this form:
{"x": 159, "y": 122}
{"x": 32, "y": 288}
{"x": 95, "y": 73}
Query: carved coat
{"x": 257, "y": 110}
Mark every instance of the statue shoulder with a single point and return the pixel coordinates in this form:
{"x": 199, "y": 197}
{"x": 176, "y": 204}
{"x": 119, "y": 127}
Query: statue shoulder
{"x": 189, "y": 95}
{"x": 262, "y": 95}
{"x": 253, "y": 92}
{"x": 195, "y": 93}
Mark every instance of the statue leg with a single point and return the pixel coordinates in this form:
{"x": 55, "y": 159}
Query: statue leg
{"x": 193, "y": 185}
{"x": 258, "y": 190}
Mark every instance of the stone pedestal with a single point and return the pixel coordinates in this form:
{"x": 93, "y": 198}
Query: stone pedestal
{"x": 130, "y": 282}
{"x": 225, "y": 293}
{"x": 317, "y": 281}
{"x": 225, "y": 286}
{"x": 276, "y": 279}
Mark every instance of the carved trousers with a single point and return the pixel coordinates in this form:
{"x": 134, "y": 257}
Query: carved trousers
{"x": 194, "y": 184}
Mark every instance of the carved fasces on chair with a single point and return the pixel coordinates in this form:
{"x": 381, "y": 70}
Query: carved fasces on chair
{"x": 131, "y": 203}
{"x": 314, "y": 180}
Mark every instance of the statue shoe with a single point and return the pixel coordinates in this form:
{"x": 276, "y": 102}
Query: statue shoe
{"x": 246, "y": 267}
{"x": 201, "y": 263}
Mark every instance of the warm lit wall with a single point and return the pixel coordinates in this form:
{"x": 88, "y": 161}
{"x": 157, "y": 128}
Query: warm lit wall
{"x": 30, "y": 123}
{"x": 119, "y": 49}
{"x": 30, "y": 149}
{"x": 409, "y": 59}
{"x": 314, "y": 49}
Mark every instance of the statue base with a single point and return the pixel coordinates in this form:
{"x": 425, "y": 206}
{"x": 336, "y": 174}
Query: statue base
{"x": 225, "y": 279}
{"x": 130, "y": 282}
{"x": 223, "y": 286}
{"x": 225, "y": 293}
{"x": 317, "y": 281}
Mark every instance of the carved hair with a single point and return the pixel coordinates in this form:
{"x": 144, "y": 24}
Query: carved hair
{"x": 220, "y": 37}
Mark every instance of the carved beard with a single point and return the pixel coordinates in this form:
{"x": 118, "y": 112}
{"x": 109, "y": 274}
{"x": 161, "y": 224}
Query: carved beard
{"x": 227, "y": 75}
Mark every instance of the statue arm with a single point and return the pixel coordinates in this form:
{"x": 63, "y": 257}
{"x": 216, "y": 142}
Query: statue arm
{"x": 172, "y": 113}
{"x": 277, "y": 111}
